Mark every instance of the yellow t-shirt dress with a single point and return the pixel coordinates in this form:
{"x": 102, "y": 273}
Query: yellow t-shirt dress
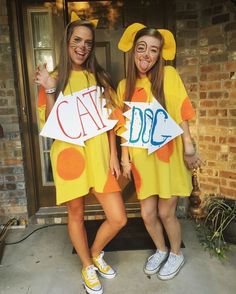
{"x": 163, "y": 172}
{"x": 77, "y": 169}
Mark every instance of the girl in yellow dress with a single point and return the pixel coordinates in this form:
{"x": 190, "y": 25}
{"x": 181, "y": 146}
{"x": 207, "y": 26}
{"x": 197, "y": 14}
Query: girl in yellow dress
{"x": 76, "y": 169}
{"x": 164, "y": 175}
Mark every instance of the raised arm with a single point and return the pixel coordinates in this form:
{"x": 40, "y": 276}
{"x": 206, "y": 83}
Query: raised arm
{"x": 43, "y": 79}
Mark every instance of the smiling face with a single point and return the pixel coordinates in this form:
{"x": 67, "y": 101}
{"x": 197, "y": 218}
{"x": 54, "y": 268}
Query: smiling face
{"x": 147, "y": 51}
{"x": 80, "y": 46}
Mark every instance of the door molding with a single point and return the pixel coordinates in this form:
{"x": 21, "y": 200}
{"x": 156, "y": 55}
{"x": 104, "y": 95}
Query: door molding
{"x": 22, "y": 95}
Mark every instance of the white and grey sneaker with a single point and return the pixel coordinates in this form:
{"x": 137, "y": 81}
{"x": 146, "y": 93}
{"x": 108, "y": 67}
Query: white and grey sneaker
{"x": 172, "y": 266}
{"x": 154, "y": 262}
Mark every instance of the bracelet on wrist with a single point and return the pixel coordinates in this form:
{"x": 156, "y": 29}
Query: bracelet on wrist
{"x": 50, "y": 91}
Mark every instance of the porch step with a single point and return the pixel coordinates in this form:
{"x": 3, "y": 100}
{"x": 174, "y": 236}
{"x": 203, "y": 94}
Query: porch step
{"x": 58, "y": 214}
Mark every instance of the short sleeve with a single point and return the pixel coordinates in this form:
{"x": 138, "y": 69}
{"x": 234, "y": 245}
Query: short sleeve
{"x": 178, "y": 102}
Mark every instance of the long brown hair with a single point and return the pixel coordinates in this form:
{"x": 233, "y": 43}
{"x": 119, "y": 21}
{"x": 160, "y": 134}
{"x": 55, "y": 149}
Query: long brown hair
{"x": 156, "y": 73}
{"x": 91, "y": 64}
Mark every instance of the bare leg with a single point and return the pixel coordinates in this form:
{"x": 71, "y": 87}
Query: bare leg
{"x": 167, "y": 213}
{"x": 77, "y": 230}
{"x": 152, "y": 222}
{"x": 114, "y": 209}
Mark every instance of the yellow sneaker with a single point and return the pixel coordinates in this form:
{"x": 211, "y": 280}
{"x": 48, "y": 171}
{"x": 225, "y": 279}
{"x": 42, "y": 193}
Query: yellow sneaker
{"x": 105, "y": 270}
{"x": 90, "y": 280}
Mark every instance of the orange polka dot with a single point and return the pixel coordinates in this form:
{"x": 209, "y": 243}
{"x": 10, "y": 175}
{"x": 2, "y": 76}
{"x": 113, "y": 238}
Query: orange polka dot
{"x": 187, "y": 111}
{"x": 139, "y": 95}
{"x": 70, "y": 164}
{"x": 111, "y": 184}
{"x": 42, "y": 97}
{"x": 164, "y": 153}
{"x": 137, "y": 178}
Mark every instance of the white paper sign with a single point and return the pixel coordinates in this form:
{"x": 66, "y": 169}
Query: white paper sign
{"x": 78, "y": 117}
{"x": 149, "y": 126}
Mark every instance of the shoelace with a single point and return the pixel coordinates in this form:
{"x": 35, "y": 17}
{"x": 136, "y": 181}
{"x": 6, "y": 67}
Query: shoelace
{"x": 91, "y": 274}
{"x": 154, "y": 258}
{"x": 171, "y": 260}
{"x": 101, "y": 261}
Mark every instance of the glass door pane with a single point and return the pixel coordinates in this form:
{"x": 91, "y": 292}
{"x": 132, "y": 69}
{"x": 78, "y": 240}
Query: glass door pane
{"x": 41, "y": 32}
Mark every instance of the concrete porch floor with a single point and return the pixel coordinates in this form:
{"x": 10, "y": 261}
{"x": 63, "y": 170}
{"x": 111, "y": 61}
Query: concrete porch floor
{"x": 44, "y": 264}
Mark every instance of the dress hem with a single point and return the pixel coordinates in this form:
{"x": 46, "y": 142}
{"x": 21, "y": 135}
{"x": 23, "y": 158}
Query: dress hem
{"x": 85, "y": 194}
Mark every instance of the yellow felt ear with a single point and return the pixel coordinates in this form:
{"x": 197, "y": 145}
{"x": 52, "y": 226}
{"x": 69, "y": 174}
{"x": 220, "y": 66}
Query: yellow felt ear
{"x": 94, "y": 22}
{"x": 74, "y": 16}
{"x": 169, "y": 47}
{"x": 127, "y": 39}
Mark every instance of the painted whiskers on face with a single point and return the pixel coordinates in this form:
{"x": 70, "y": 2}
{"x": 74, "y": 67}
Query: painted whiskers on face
{"x": 80, "y": 46}
{"x": 147, "y": 50}
{"x": 77, "y": 42}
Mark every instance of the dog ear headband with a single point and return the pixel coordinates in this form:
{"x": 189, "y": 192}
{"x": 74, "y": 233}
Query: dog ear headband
{"x": 75, "y": 17}
{"x": 127, "y": 40}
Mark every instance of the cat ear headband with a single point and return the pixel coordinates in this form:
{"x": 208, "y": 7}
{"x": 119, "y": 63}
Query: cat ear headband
{"x": 75, "y": 17}
{"x": 127, "y": 40}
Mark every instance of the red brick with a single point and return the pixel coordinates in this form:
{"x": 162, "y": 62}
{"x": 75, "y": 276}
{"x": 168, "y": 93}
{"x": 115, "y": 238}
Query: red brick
{"x": 203, "y": 95}
{"x": 214, "y": 147}
{"x": 213, "y": 85}
{"x": 232, "y": 184}
{"x": 226, "y": 103}
{"x": 232, "y": 140}
{"x": 227, "y": 122}
{"x": 215, "y": 181}
{"x": 215, "y": 95}
{"x": 211, "y": 163}
{"x": 210, "y": 30}
{"x": 208, "y": 103}
{"x": 12, "y": 161}
{"x": 228, "y": 192}
{"x": 232, "y": 112}
{"x": 232, "y": 166}
{"x": 223, "y": 182}
{"x": 203, "y": 86}
{"x": 203, "y": 77}
{"x": 223, "y": 157}
{"x": 232, "y": 95}
{"x": 202, "y": 147}
{"x": 217, "y": 112}
{"x": 210, "y": 138}
{"x": 11, "y": 186}
{"x": 232, "y": 149}
{"x": 230, "y": 66}
{"x": 229, "y": 84}
{"x": 210, "y": 68}
{"x": 207, "y": 121}
{"x": 208, "y": 187}
{"x": 202, "y": 112}
{"x": 228, "y": 175}
{"x": 210, "y": 156}
{"x": 217, "y": 76}
{"x": 222, "y": 140}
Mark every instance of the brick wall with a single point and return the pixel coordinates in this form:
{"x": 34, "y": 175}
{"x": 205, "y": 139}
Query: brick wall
{"x": 12, "y": 183}
{"x": 206, "y": 59}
